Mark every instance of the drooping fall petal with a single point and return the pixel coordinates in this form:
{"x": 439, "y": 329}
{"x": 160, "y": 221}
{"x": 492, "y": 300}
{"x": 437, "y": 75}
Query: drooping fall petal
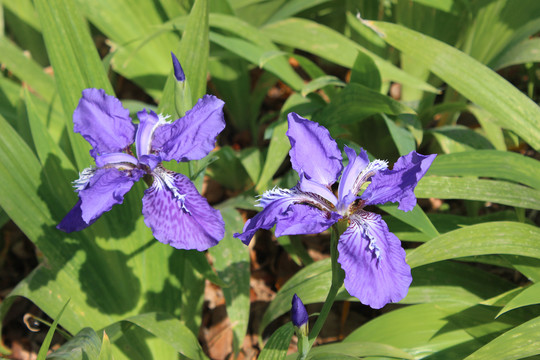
{"x": 374, "y": 261}
{"x": 178, "y": 215}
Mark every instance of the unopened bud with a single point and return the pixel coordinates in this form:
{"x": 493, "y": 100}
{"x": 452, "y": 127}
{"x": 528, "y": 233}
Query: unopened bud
{"x": 178, "y": 71}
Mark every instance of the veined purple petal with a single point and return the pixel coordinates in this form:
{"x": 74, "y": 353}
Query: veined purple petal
{"x": 178, "y": 71}
{"x": 73, "y": 220}
{"x": 397, "y": 185}
{"x": 304, "y": 219}
{"x": 103, "y": 122}
{"x": 178, "y": 215}
{"x": 374, "y": 261}
{"x": 193, "y": 136}
{"x": 106, "y": 188}
{"x": 313, "y": 151}
{"x": 276, "y": 205}
{"x": 115, "y": 158}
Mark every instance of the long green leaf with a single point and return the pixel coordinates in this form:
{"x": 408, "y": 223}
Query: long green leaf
{"x": 358, "y": 349}
{"x": 26, "y": 69}
{"x": 106, "y": 349}
{"x": 446, "y": 329}
{"x": 167, "y": 328}
{"x": 357, "y": 102}
{"x": 517, "y": 343}
{"x": 293, "y": 7}
{"x": 193, "y": 56}
{"x": 416, "y": 218}
{"x": 75, "y": 61}
{"x": 47, "y": 342}
{"x": 502, "y": 237}
{"x": 524, "y": 52}
{"x": 489, "y": 163}
{"x": 127, "y": 24}
{"x": 512, "y": 109}
{"x": 439, "y": 282}
{"x": 257, "y": 55}
{"x": 455, "y": 282}
{"x": 260, "y": 45}
{"x": 494, "y": 28}
{"x": 194, "y": 49}
{"x": 529, "y": 296}
{"x": 83, "y": 346}
{"x": 231, "y": 260}
{"x": 311, "y": 284}
{"x": 276, "y": 347}
{"x": 333, "y": 46}
{"x": 501, "y": 192}
{"x": 279, "y": 147}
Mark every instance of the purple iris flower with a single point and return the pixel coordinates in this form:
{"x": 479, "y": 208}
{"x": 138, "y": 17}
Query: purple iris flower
{"x": 172, "y": 207}
{"x": 371, "y": 256}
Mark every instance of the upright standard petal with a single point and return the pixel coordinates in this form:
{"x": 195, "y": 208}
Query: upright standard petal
{"x": 193, "y": 136}
{"x": 374, "y": 261}
{"x": 397, "y": 185}
{"x": 310, "y": 186}
{"x": 148, "y": 123}
{"x": 288, "y": 209}
{"x": 103, "y": 122}
{"x": 313, "y": 151}
{"x": 348, "y": 185}
{"x": 105, "y": 189}
{"x": 178, "y": 215}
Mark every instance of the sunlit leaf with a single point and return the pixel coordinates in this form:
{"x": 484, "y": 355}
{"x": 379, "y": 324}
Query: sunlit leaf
{"x": 512, "y": 109}
{"x": 502, "y": 237}
{"x": 276, "y": 347}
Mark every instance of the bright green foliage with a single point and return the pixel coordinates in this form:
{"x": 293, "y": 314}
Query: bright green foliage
{"x": 463, "y": 78}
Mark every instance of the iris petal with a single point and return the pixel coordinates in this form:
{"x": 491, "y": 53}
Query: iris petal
{"x": 348, "y": 187}
{"x": 193, "y": 136}
{"x": 304, "y": 219}
{"x": 313, "y": 151}
{"x": 178, "y": 215}
{"x": 103, "y": 122}
{"x": 374, "y": 261}
{"x": 397, "y": 185}
{"x": 148, "y": 123}
{"x": 277, "y": 203}
{"x": 73, "y": 221}
{"x": 314, "y": 187}
{"x": 105, "y": 189}
{"x": 116, "y": 158}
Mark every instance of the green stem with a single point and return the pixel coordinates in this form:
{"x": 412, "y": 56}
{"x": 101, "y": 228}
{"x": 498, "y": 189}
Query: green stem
{"x": 337, "y": 280}
{"x": 303, "y": 346}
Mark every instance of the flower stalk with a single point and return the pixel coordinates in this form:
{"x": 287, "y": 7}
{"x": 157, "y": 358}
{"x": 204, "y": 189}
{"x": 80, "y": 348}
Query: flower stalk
{"x": 337, "y": 281}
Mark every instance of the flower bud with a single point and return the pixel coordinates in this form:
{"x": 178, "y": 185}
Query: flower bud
{"x": 178, "y": 71}
{"x": 299, "y": 315}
